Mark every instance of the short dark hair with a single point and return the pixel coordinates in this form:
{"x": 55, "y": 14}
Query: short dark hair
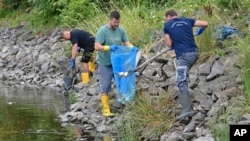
{"x": 114, "y": 14}
{"x": 170, "y": 13}
{"x": 62, "y": 35}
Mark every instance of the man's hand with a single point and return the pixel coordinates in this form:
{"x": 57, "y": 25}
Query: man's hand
{"x": 112, "y": 48}
{"x": 199, "y": 30}
{"x": 106, "y": 48}
{"x": 72, "y": 63}
{"x": 131, "y": 46}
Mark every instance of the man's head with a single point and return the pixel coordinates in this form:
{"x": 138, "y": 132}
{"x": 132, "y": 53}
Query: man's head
{"x": 65, "y": 35}
{"x": 170, "y": 14}
{"x": 114, "y": 19}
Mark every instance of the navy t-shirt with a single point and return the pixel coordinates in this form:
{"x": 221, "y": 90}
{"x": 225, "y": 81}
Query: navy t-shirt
{"x": 83, "y": 38}
{"x": 180, "y": 31}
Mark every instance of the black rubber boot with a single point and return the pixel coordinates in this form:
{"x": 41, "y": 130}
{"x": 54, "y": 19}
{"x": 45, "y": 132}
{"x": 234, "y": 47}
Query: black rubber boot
{"x": 186, "y": 104}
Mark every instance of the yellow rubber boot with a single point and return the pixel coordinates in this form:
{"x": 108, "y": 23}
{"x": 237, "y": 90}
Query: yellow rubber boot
{"x": 105, "y": 106}
{"x": 107, "y": 138}
{"x": 85, "y": 77}
{"x": 91, "y": 66}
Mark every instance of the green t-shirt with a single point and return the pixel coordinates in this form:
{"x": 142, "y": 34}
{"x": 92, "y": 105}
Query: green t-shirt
{"x": 107, "y": 36}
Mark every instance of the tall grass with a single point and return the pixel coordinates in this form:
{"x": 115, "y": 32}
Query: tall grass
{"x": 142, "y": 119}
{"x": 220, "y": 131}
{"x": 138, "y": 21}
{"x": 245, "y": 57}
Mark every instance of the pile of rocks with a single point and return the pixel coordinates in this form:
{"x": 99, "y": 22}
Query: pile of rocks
{"x": 34, "y": 59}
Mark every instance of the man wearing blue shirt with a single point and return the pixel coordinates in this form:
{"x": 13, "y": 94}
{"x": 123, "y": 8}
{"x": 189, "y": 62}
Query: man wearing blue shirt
{"x": 179, "y": 37}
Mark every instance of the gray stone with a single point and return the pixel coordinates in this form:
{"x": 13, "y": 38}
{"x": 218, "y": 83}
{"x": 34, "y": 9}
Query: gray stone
{"x": 205, "y": 139}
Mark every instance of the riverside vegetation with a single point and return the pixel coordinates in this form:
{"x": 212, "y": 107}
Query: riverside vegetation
{"x": 140, "y": 18}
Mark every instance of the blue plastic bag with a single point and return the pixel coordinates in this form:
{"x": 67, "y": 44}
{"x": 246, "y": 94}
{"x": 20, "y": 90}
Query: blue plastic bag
{"x": 123, "y": 59}
{"x": 222, "y": 32}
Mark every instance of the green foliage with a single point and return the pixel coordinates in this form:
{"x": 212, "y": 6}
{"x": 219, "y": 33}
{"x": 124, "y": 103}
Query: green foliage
{"x": 72, "y": 97}
{"x": 140, "y": 115}
{"x": 131, "y": 3}
{"x": 67, "y": 49}
{"x": 10, "y": 5}
{"x": 230, "y": 4}
{"x": 139, "y": 23}
{"x": 76, "y": 12}
{"x": 139, "y": 18}
{"x": 220, "y": 131}
{"x": 219, "y": 52}
{"x": 245, "y": 57}
{"x": 47, "y": 8}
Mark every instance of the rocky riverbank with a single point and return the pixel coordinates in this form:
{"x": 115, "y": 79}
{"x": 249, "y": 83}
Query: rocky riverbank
{"x": 39, "y": 60}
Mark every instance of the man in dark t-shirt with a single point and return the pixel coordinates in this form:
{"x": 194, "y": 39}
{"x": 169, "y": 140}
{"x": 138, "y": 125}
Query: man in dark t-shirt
{"x": 81, "y": 39}
{"x": 179, "y": 37}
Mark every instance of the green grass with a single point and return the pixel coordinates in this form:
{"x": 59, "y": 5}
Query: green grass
{"x": 244, "y": 50}
{"x": 142, "y": 116}
{"x": 139, "y": 22}
{"x": 220, "y": 131}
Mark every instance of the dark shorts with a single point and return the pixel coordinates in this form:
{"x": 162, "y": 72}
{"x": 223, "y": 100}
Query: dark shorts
{"x": 87, "y": 54}
{"x": 88, "y": 50}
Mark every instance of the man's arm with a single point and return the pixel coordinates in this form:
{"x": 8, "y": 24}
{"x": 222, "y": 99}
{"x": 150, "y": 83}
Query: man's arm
{"x": 168, "y": 40}
{"x": 199, "y": 23}
{"x": 74, "y": 51}
{"x": 99, "y": 47}
{"x": 128, "y": 44}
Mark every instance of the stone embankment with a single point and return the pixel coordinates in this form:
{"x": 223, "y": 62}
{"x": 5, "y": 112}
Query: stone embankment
{"x": 39, "y": 60}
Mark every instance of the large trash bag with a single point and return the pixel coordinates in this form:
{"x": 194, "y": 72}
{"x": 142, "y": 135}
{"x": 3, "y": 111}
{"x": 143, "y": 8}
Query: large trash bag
{"x": 123, "y": 59}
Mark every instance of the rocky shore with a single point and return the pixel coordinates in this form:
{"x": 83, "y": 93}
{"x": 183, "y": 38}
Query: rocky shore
{"x": 39, "y": 60}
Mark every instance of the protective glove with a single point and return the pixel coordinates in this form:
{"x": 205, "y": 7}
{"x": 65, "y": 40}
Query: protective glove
{"x": 199, "y": 30}
{"x": 72, "y": 63}
{"x": 131, "y": 46}
{"x": 107, "y": 48}
{"x": 78, "y": 49}
{"x": 113, "y": 48}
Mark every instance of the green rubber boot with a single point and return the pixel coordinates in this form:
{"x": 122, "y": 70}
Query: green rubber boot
{"x": 186, "y": 104}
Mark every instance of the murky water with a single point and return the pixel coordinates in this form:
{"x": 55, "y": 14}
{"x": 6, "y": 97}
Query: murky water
{"x": 30, "y": 114}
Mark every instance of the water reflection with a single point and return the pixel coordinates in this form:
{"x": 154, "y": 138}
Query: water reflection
{"x": 29, "y": 114}
{"x": 88, "y": 136}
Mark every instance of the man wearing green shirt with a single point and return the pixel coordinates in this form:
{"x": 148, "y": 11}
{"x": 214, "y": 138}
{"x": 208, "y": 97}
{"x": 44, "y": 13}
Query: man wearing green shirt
{"x": 108, "y": 35}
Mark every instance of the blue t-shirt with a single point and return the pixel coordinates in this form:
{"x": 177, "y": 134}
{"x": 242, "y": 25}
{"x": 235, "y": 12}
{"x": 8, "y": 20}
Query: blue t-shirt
{"x": 180, "y": 31}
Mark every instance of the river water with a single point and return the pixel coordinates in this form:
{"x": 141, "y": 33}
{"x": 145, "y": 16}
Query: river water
{"x": 30, "y": 114}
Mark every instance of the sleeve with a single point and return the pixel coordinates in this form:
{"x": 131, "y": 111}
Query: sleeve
{"x": 100, "y": 36}
{"x": 192, "y": 21}
{"x": 74, "y": 39}
{"x": 124, "y": 35}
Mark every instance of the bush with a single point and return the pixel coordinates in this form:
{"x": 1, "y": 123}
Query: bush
{"x": 76, "y": 12}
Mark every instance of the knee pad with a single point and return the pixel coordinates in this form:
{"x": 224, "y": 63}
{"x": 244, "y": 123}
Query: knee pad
{"x": 85, "y": 59}
{"x": 181, "y": 73}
